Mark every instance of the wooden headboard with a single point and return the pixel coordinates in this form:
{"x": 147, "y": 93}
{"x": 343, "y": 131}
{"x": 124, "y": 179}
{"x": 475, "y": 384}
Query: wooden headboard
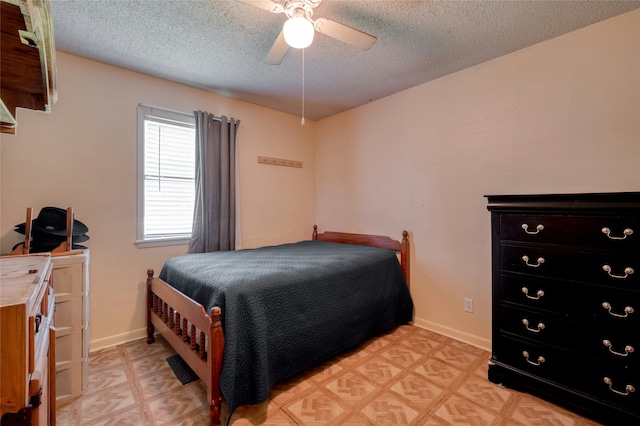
{"x": 380, "y": 241}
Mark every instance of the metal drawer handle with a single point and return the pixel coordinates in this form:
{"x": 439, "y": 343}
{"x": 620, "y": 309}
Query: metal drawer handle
{"x": 626, "y": 232}
{"x": 629, "y": 388}
{"x": 627, "y": 310}
{"x": 526, "y": 261}
{"x": 534, "y": 330}
{"x": 538, "y": 229}
{"x": 627, "y": 349}
{"x": 627, "y": 271}
{"x": 38, "y": 321}
{"x": 541, "y": 359}
{"x": 539, "y": 294}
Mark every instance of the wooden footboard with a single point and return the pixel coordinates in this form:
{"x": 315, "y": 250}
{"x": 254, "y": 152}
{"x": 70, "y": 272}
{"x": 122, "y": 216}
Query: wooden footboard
{"x": 195, "y": 335}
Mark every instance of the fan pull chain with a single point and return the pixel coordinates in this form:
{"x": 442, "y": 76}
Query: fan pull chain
{"x": 302, "y": 121}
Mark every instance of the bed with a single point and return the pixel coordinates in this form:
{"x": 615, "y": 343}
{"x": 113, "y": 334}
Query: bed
{"x": 283, "y": 308}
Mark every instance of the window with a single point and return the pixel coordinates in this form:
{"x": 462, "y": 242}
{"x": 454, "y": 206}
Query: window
{"x": 166, "y": 176}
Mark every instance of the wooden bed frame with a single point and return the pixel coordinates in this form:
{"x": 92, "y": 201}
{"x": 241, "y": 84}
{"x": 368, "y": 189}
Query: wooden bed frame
{"x": 197, "y": 336}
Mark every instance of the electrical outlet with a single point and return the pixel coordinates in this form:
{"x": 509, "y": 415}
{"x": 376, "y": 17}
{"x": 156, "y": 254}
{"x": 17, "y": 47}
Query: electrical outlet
{"x": 468, "y": 305}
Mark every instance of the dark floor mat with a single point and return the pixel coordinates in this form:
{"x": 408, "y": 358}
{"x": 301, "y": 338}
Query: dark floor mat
{"x": 181, "y": 369}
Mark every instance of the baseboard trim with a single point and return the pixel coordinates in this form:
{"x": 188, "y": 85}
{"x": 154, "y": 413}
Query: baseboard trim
{"x": 471, "y": 339}
{"x": 118, "y": 339}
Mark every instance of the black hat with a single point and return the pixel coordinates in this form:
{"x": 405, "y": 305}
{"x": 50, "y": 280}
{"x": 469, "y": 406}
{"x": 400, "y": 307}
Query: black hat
{"x": 46, "y": 237}
{"x": 53, "y": 221}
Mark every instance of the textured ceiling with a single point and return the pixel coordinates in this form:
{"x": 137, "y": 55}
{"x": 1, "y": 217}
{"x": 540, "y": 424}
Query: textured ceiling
{"x": 220, "y": 45}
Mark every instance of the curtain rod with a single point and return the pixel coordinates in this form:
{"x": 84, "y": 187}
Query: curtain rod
{"x": 177, "y": 112}
{"x": 166, "y": 109}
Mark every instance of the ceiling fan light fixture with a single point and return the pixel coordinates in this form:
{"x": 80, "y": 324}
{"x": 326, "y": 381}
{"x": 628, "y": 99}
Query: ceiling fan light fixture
{"x": 298, "y": 32}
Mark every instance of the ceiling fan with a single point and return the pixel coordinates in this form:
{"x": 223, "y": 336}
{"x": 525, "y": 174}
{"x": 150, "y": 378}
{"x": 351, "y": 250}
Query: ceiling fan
{"x": 300, "y": 13}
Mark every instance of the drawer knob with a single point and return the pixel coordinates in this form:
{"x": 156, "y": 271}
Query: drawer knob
{"x": 627, "y": 310}
{"x": 626, "y": 233}
{"x": 533, "y": 330}
{"x": 38, "y": 321}
{"x": 627, "y": 271}
{"x": 541, "y": 359}
{"x": 538, "y": 229}
{"x": 538, "y": 295}
{"x": 628, "y": 389}
{"x": 627, "y": 349}
{"x": 540, "y": 261}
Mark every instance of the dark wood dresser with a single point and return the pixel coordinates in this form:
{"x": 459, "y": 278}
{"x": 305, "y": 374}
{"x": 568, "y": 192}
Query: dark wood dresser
{"x": 566, "y": 300}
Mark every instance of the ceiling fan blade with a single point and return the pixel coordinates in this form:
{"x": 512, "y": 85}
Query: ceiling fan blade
{"x": 278, "y": 50}
{"x": 345, "y": 34}
{"x": 264, "y": 4}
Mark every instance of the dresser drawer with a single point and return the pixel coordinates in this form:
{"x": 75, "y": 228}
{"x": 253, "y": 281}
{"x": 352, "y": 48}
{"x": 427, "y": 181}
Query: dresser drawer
{"x": 614, "y": 346}
{"x": 619, "y": 270}
{"x": 617, "y": 313}
{"x": 40, "y": 320}
{"x": 539, "y": 327}
{"x": 611, "y": 347}
{"x": 610, "y": 233}
{"x": 41, "y": 327}
{"x": 72, "y": 314}
{"x": 71, "y": 275}
{"x": 536, "y": 293}
{"x": 604, "y": 306}
{"x": 618, "y": 386}
{"x": 562, "y": 366}
{"x": 543, "y": 361}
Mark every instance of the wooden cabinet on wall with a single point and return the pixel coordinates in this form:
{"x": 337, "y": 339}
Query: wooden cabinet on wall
{"x": 27, "y": 341}
{"x": 27, "y": 59}
{"x": 566, "y": 300}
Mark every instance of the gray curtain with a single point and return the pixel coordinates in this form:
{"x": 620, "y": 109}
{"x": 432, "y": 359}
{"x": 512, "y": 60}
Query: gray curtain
{"x": 214, "y": 216}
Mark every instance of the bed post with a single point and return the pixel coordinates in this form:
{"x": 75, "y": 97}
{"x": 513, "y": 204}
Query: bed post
{"x": 216, "y": 349}
{"x": 404, "y": 256}
{"x": 150, "y": 328}
{"x": 314, "y": 236}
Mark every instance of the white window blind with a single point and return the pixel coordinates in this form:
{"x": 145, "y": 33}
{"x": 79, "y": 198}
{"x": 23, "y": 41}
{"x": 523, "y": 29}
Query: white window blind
{"x": 168, "y": 175}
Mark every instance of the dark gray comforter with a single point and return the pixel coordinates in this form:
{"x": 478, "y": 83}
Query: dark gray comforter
{"x": 286, "y": 308}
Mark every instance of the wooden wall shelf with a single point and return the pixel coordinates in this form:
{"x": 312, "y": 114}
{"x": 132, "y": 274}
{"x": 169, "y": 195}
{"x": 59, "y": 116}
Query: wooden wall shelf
{"x": 27, "y": 59}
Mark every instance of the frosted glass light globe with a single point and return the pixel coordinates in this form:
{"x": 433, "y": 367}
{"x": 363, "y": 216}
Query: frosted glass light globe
{"x": 298, "y": 32}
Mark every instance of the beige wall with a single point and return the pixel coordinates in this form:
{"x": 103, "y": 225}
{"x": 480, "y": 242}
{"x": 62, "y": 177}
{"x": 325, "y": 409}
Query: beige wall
{"x": 84, "y": 155}
{"x": 562, "y": 116}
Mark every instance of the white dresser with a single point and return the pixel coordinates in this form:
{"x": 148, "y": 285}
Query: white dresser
{"x": 71, "y": 290}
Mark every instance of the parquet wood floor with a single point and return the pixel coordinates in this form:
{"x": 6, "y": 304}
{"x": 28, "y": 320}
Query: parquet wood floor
{"x": 410, "y": 376}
